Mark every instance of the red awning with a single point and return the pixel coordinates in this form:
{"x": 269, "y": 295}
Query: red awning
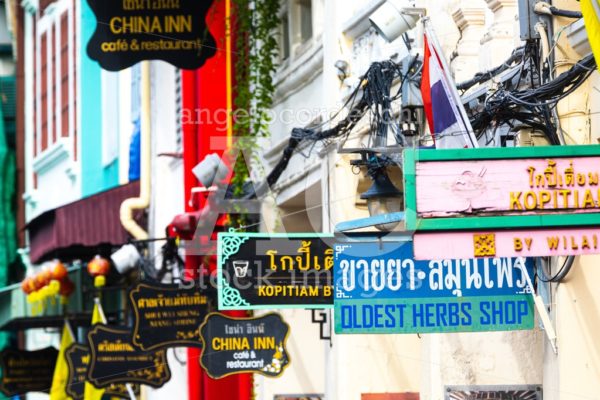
{"x": 82, "y": 228}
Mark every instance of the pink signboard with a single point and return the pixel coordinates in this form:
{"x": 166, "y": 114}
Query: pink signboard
{"x": 506, "y": 243}
{"x": 491, "y": 187}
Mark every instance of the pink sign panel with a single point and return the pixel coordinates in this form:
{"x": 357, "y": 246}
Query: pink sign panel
{"x": 507, "y": 187}
{"x": 507, "y": 243}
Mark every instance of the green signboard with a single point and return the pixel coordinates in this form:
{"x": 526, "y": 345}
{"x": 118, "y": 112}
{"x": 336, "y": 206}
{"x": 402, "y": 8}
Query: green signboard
{"x": 500, "y": 188}
{"x": 257, "y": 270}
{"x": 380, "y": 288}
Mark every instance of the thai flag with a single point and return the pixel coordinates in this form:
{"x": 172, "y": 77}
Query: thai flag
{"x": 447, "y": 119}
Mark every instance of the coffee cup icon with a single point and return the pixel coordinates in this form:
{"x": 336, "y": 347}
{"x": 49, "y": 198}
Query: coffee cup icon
{"x": 240, "y": 267}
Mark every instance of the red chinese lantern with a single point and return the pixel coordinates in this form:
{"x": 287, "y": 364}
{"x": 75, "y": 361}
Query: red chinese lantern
{"x": 28, "y": 285}
{"x": 59, "y": 271}
{"x": 43, "y": 278}
{"x": 99, "y": 266}
{"x": 66, "y": 287}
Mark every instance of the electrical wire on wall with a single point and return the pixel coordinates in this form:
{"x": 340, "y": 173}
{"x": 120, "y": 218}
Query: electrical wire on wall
{"x": 372, "y": 95}
{"x": 527, "y": 99}
{"x": 532, "y": 106}
{"x": 560, "y": 274}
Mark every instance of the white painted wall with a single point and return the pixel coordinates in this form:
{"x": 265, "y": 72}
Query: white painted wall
{"x": 305, "y": 373}
{"x": 167, "y": 200}
{"x": 37, "y": 339}
{"x": 395, "y": 363}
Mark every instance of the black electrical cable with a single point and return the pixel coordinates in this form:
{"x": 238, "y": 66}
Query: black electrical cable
{"x": 562, "y": 272}
{"x": 506, "y": 104}
{"x": 406, "y": 40}
{"x": 375, "y": 86}
{"x": 531, "y": 106}
{"x": 565, "y": 13}
{"x": 479, "y": 77}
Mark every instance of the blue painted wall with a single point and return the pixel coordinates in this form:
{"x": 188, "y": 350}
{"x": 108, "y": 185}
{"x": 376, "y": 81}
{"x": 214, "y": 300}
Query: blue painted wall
{"x": 95, "y": 178}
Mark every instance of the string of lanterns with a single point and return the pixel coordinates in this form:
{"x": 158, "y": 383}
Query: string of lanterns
{"x": 53, "y": 280}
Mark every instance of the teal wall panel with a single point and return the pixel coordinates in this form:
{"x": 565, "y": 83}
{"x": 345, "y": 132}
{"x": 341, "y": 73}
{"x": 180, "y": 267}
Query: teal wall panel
{"x": 95, "y": 177}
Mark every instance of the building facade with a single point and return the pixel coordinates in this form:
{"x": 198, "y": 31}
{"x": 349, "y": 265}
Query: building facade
{"x": 320, "y": 190}
{"x": 80, "y": 143}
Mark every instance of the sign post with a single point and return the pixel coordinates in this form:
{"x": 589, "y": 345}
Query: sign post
{"x": 380, "y": 288}
{"x": 239, "y": 345}
{"x": 115, "y": 360}
{"x": 27, "y": 371}
{"x": 130, "y": 31}
{"x": 166, "y": 316}
{"x": 78, "y": 360}
{"x": 257, "y": 271}
{"x": 500, "y": 202}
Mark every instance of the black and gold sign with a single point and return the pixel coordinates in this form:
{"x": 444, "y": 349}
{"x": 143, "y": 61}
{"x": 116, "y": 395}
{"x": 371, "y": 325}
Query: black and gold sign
{"x": 27, "y": 371}
{"x": 78, "y": 360}
{"x": 274, "y": 271}
{"x": 114, "y": 359}
{"x": 238, "y": 345}
{"x": 167, "y": 316}
{"x": 129, "y": 31}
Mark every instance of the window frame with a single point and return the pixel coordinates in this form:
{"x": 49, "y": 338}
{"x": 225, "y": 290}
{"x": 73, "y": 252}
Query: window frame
{"x": 48, "y": 30}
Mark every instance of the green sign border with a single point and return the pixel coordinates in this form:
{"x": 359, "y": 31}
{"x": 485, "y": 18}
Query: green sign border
{"x": 229, "y": 298}
{"x": 414, "y": 223}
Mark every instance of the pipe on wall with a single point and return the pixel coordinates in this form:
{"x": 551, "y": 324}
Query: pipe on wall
{"x": 143, "y": 201}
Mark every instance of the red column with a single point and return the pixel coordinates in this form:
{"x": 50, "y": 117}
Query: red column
{"x": 190, "y": 159}
{"x": 205, "y": 98}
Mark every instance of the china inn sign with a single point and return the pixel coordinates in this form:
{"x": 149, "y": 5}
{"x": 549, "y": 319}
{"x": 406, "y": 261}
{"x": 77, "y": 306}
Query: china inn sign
{"x": 503, "y": 202}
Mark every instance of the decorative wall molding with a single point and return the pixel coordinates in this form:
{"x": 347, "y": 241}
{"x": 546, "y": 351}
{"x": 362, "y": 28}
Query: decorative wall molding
{"x": 470, "y": 20}
{"x": 499, "y": 40}
{"x": 496, "y": 5}
{"x": 31, "y": 198}
{"x": 300, "y": 72}
{"x": 31, "y": 6}
{"x": 52, "y": 157}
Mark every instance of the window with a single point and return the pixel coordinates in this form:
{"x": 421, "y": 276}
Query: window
{"x": 305, "y": 24}
{"x": 284, "y": 38}
{"x": 297, "y": 27}
{"x": 110, "y": 117}
{"x": 54, "y": 71}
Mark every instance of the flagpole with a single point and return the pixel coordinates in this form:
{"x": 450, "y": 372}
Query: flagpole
{"x": 70, "y": 329}
{"x": 446, "y": 71}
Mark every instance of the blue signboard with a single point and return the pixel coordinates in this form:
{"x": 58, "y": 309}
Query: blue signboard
{"x": 380, "y": 288}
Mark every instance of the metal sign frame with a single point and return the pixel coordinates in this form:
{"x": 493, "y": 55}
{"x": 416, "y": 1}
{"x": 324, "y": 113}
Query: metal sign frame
{"x": 206, "y": 333}
{"x": 149, "y": 338}
{"x": 455, "y": 284}
{"x": 229, "y": 297}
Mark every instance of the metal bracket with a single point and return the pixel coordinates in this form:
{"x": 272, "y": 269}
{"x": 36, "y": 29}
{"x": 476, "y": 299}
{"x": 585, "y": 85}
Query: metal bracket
{"x": 323, "y": 318}
{"x": 369, "y": 221}
{"x": 544, "y": 316}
